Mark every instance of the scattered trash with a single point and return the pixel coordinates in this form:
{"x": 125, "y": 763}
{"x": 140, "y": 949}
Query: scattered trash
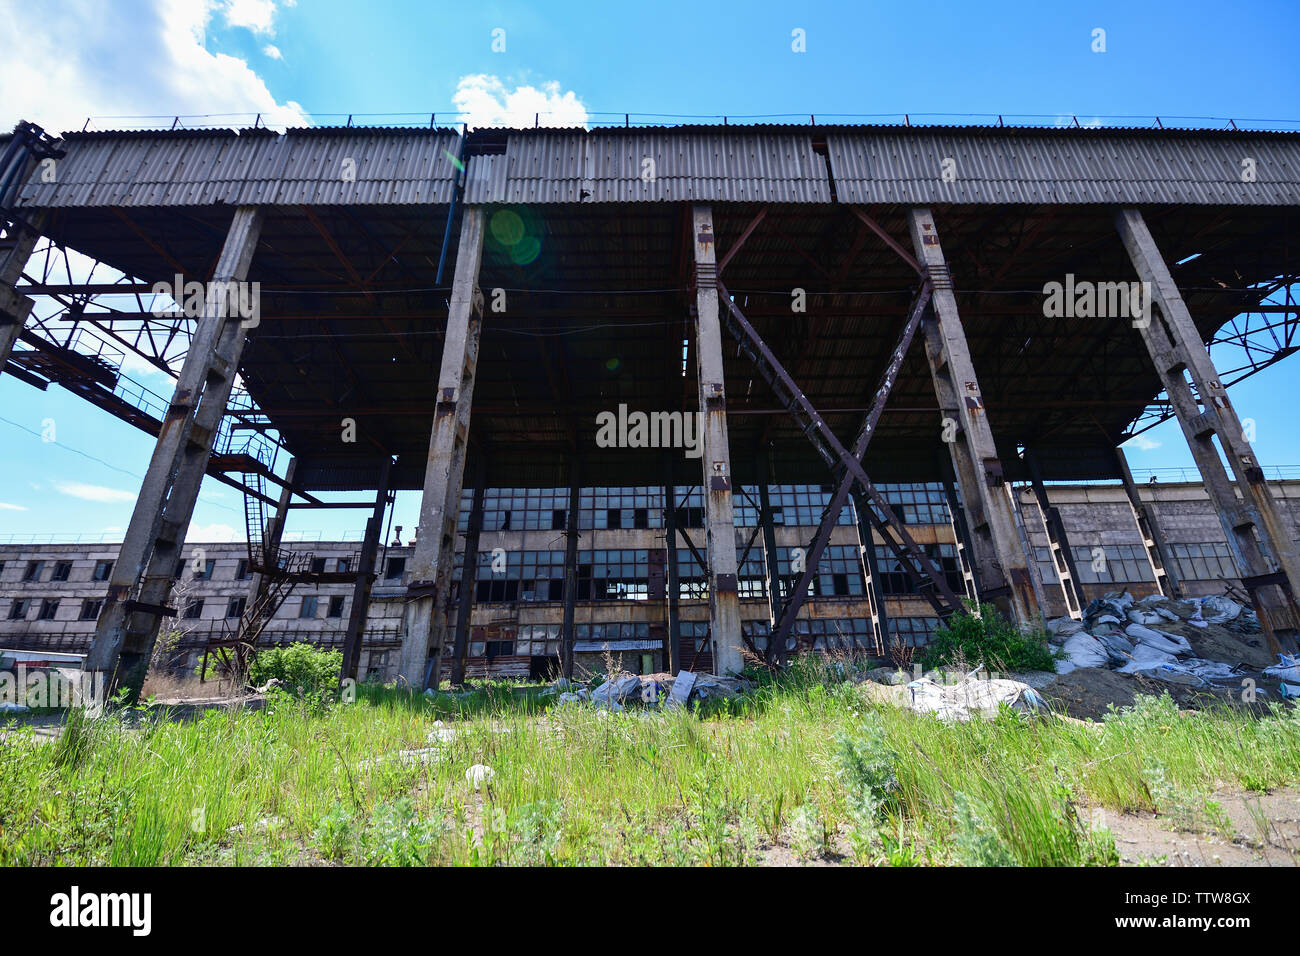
{"x": 9, "y": 707}
{"x": 1169, "y": 643}
{"x": 681, "y": 689}
{"x": 1084, "y": 650}
{"x": 480, "y": 776}
{"x": 617, "y": 690}
{"x": 1287, "y": 668}
{"x": 973, "y": 696}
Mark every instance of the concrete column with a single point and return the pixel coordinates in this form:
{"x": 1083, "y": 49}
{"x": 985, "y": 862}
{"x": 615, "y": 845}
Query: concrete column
{"x": 360, "y": 610}
{"x": 435, "y": 548}
{"x": 1259, "y": 538}
{"x": 1161, "y": 558}
{"x": 143, "y": 574}
{"x": 567, "y": 633}
{"x": 20, "y": 240}
{"x": 672, "y": 571}
{"x": 1058, "y": 542}
{"x": 468, "y": 580}
{"x": 1003, "y": 567}
{"x": 724, "y": 595}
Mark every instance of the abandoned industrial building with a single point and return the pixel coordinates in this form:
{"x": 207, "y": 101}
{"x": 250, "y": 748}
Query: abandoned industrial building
{"x": 891, "y": 422}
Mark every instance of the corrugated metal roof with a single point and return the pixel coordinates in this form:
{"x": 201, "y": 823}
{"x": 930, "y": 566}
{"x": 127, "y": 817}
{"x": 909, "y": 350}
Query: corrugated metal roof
{"x": 185, "y": 168}
{"x": 573, "y": 166}
{"x": 881, "y": 164}
{"x": 1063, "y": 167}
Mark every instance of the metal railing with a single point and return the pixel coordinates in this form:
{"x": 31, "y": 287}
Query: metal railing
{"x": 601, "y": 118}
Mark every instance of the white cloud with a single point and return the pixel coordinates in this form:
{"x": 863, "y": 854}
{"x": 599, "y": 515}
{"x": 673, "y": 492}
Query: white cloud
{"x": 81, "y": 58}
{"x": 484, "y": 100}
{"x": 6, "y": 506}
{"x": 1141, "y": 443}
{"x": 272, "y": 51}
{"x": 212, "y": 534}
{"x": 255, "y": 15}
{"x": 79, "y": 489}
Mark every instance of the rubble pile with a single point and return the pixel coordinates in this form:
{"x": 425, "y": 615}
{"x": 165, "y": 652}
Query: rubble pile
{"x": 647, "y": 690}
{"x": 1154, "y": 637}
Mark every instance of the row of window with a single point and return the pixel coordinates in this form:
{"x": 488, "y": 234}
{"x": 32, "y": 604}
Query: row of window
{"x": 542, "y": 509}
{"x": 34, "y": 572}
{"x": 200, "y": 569}
{"x": 1128, "y": 563}
{"x": 21, "y": 608}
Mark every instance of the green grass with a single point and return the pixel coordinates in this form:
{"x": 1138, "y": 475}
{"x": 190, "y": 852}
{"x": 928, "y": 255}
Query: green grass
{"x": 804, "y": 765}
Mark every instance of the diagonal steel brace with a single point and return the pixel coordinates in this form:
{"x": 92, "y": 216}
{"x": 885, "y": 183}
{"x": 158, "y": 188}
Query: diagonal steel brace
{"x": 796, "y": 598}
{"x": 834, "y": 453}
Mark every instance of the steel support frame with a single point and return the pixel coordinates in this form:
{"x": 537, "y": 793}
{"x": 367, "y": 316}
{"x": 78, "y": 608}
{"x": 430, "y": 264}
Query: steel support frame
{"x": 1258, "y": 536}
{"x": 771, "y": 563}
{"x": 960, "y": 533}
{"x": 435, "y": 551}
{"x": 568, "y": 631}
{"x": 1164, "y": 567}
{"x": 354, "y": 636}
{"x": 722, "y": 571}
{"x": 468, "y": 578}
{"x": 874, "y": 588}
{"x": 144, "y": 571}
{"x": 781, "y": 630}
{"x": 1003, "y": 567}
{"x": 914, "y": 560}
{"x": 672, "y": 571}
{"x": 1058, "y": 542}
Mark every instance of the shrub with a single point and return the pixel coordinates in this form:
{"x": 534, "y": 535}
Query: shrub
{"x": 301, "y": 667}
{"x": 991, "y": 640}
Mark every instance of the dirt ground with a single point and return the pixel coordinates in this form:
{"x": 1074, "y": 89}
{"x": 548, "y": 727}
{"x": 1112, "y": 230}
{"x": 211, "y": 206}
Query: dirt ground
{"x": 1261, "y": 830}
{"x": 1087, "y": 692}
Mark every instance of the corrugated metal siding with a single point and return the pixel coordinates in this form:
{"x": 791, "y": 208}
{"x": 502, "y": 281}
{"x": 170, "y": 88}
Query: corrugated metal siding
{"x": 725, "y": 164}
{"x": 573, "y": 166}
{"x": 299, "y": 167}
{"x": 1073, "y": 167}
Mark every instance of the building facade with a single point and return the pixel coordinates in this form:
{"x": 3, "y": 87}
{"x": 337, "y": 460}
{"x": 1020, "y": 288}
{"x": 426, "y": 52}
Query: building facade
{"x": 50, "y": 593}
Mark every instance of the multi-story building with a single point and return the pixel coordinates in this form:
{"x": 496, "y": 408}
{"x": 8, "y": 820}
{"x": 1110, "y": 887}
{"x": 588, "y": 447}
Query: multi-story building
{"x": 50, "y": 593}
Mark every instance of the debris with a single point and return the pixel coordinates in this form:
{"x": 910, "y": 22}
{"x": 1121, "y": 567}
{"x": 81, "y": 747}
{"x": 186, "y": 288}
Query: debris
{"x": 618, "y": 690}
{"x": 972, "y": 697}
{"x": 706, "y": 686}
{"x": 680, "y": 693}
{"x": 1161, "y": 640}
{"x": 8, "y": 707}
{"x": 1119, "y": 649}
{"x": 1287, "y": 668}
{"x": 440, "y": 734}
{"x": 480, "y": 775}
{"x": 887, "y": 675}
{"x": 1063, "y": 627}
{"x": 1082, "y": 650}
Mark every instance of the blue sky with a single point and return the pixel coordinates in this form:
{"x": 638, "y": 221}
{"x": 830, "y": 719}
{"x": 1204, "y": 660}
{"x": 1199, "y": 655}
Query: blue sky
{"x": 320, "y": 57}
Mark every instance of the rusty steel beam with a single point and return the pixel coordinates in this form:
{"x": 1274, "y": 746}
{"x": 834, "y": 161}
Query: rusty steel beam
{"x": 830, "y": 449}
{"x": 739, "y": 243}
{"x": 776, "y": 647}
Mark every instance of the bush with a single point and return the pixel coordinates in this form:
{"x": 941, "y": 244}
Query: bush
{"x": 302, "y": 668}
{"x": 991, "y": 640}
